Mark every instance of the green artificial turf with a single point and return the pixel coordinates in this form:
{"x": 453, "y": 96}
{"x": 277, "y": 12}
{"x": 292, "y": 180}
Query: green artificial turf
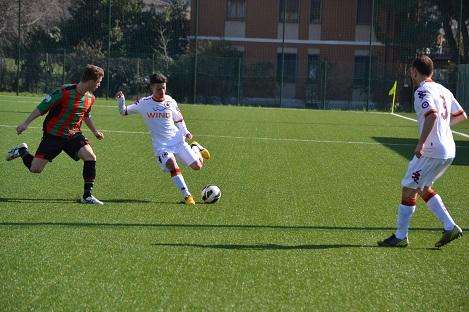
{"x": 305, "y": 196}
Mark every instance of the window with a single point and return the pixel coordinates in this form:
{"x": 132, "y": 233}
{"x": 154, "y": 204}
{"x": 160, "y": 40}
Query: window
{"x": 360, "y": 72}
{"x": 289, "y": 67}
{"x": 315, "y": 12}
{"x": 313, "y": 67}
{"x": 291, "y": 11}
{"x": 236, "y": 10}
{"x": 364, "y": 12}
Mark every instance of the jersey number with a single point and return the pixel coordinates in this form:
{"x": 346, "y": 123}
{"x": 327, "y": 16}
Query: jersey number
{"x": 445, "y": 115}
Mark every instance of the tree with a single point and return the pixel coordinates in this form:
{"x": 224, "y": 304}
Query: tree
{"x": 412, "y": 26}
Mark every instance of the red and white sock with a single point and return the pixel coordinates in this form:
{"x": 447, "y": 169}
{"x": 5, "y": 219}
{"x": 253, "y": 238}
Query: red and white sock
{"x": 180, "y": 183}
{"x": 435, "y": 204}
{"x": 404, "y": 215}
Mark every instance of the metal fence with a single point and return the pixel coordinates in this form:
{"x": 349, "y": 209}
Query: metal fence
{"x": 323, "y": 54}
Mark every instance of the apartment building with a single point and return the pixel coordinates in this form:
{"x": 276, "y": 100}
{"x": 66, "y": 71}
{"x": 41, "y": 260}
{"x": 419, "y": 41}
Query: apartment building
{"x": 324, "y": 45}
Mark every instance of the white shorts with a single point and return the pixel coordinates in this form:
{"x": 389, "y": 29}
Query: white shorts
{"x": 182, "y": 151}
{"x": 424, "y": 171}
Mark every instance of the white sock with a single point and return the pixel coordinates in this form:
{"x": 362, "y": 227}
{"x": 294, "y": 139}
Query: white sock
{"x": 178, "y": 180}
{"x": 435, "y": 204}
{"x": 197, "y": 152}
{"x": 404, "y": 214}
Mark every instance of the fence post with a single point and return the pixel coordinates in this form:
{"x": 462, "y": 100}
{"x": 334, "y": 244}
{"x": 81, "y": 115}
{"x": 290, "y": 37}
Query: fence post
{"x": 19, "y": 50}
{"x": 370, "y": 52}
{"x": 325, "y": 85}
{"x": 138, "y": 67}
{"x": 284, "y": 14}
{"x": 195, "y": 49}
{"x": 63, "y": 67}
{"x": 108, "y": 81}
{"x": 239, "y": 82}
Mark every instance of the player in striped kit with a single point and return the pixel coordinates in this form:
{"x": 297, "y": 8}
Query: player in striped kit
{"x": 66, "y": 109}
{"x": 168, "y": 132}
{"x": 437, "y": 110}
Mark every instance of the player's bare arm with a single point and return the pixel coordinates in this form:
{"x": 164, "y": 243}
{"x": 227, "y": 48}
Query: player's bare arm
{"x": 23, "y": 126}
{"x": 98, "y": 134}
{"x": 427, "y": 128}
{"x": 121, "y": 102}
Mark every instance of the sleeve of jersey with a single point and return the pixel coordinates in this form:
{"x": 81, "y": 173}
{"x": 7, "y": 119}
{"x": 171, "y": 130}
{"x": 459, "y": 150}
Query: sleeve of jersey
{"x": 50, "y": 101}
{"x": 456, "y": 109}
{"x": 179, "y": 119}
{"x": 132, "y": 108}
{"x": 423, "y": 103}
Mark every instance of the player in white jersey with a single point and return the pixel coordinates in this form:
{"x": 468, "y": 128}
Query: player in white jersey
{"x": 168, "y": 132}
{"x": 437, "y": 110}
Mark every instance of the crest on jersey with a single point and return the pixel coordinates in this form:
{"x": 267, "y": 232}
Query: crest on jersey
{"x": 47, "y": 98}
{"x": 425, "y": 104}
{"x": 416, "y": 176}
{"x": 421, "y": 94}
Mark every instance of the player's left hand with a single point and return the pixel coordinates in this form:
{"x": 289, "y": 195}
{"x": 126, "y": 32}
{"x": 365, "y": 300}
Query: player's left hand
{"x": 419, "y": 150}
{"x": 188, "y": 136}
{"x": 99, "y": 135}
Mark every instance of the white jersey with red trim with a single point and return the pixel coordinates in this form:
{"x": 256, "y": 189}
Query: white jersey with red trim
{"x": 161, "y": 118}
{"x": 432, "y": 97}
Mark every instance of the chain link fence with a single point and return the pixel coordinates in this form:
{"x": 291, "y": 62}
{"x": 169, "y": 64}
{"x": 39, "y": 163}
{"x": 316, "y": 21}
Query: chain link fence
{"x": 322, "y": 54}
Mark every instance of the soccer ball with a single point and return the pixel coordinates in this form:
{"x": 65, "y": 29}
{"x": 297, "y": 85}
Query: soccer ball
{"x": 211, "y": 194}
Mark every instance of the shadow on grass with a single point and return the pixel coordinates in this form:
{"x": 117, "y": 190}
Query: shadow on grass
{"x": 267, "y": 246}
{"x": 280, "y": 247}
{"x": 215, "y": 226}
{"x": 405, "y": 147}
{"x": 68, "y": 200}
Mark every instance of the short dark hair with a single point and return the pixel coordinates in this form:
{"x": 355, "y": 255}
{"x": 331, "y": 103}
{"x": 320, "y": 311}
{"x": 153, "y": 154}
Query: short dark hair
{"x": 423, "y": 64}
{"x": 158, "y": 78}
{"x": 92, "y": 72}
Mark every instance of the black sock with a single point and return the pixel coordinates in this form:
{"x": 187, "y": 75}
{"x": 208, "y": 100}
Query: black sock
{"x": 87, "y": 189}
{"x": 89, "y": 173}
{"x": 27, "y": 157}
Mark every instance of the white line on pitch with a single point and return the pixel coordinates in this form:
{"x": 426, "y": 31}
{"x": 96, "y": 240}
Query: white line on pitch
{"x": 412, "y": 119}
{"x": 257, "y": 138}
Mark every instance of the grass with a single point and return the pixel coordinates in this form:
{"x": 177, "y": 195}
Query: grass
{"x": 306, "y": 195}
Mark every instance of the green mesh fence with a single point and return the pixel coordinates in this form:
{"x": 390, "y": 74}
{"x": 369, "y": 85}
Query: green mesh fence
{"x": 322, "y": 54}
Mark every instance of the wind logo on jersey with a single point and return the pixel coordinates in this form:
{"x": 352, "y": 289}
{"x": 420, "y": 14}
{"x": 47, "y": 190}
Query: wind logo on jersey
{"x": 416, "y": 176}
{"x": 47, "y": 98}
{"x": 158, "y": 115}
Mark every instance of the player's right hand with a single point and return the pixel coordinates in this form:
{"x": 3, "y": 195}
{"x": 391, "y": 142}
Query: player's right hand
{"x": 119, "y": 94}
{"x": 22, "y": 127}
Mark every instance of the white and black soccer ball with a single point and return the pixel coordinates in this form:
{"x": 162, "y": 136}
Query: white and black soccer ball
{"x": 211, "y": 194}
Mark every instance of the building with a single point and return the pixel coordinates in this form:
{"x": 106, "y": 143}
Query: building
{"x": 324, "y": 45}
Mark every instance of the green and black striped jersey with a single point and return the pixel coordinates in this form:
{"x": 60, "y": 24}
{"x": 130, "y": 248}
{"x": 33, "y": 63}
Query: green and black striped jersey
{"x": 66, "y": 108}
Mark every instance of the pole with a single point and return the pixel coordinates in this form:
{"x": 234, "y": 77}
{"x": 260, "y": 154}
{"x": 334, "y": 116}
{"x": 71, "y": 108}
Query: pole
{"x": 461, "y": 25}
{"x": 284, "y": 14}
{"x": 194, "y": 100}
{"x": 63, "y": 67}
{"x": 370, "y": 55}
{"x": 108, "y": 80}
{"x": 326, "y": 66}
{"x": 239, "y": 82}
{"x": 18, "y": 50}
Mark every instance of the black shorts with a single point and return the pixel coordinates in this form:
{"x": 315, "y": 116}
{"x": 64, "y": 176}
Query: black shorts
{"x": 52, "y": 145}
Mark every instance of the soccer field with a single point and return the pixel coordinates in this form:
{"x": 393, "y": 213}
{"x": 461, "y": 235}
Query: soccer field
{"x": 306, "y": 195}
